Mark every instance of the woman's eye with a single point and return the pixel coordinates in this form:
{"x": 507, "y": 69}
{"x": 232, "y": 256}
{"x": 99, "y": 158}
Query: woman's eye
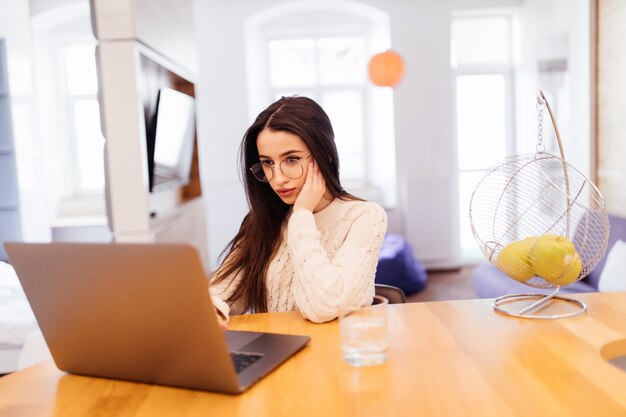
{"x": 267, "y": 163}
{"x": 293, "y": 159}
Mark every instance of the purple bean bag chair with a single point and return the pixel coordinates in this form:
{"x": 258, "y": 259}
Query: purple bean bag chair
{"x": 397, "y": 267}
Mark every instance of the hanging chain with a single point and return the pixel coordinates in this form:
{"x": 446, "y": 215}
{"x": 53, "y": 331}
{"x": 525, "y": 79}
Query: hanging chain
{"x": 541, "y": 105}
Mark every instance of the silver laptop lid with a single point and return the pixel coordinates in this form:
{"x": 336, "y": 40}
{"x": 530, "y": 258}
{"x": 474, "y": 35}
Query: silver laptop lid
{"x": 139, "y": 312}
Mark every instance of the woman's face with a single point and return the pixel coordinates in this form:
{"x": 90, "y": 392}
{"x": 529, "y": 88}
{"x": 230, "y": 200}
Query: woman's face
{"x": 276, "y": 148}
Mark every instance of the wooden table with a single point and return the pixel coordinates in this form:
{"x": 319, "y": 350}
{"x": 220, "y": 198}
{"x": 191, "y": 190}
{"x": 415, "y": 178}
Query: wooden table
{"x": 455, "y": 358}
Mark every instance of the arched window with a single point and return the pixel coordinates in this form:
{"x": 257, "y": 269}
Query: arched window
{"x": 321, "y": 50}
{"x": 69, "y": 119}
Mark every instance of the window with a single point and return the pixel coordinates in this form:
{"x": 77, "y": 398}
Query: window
{"x": 321, "y": 50}
{"x": 69, "y": 117}
{"x": 329, "y": 70}
{"x": 481, "y": 59}
{"x": 84, "y": 117}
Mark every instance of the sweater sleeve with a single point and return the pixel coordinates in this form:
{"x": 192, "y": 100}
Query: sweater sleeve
{"x": 324, "y": 286}
{"x": 221, "y": 291}
{"x": 220, "y": 305}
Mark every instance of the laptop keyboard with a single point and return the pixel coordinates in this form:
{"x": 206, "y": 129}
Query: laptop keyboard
{"x": 243, "y": 360}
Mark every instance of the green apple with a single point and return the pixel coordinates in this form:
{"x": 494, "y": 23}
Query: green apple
{"x": 514, "y": 259}
{"x": 554, "y": 258}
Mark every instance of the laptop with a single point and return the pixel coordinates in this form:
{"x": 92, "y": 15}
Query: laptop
{"x": 140, "y": 312}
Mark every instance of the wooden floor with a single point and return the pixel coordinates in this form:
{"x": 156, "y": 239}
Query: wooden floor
{"x": 446, "y": 285}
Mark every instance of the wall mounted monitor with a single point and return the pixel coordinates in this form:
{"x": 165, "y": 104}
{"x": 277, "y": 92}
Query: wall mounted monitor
{"x": 171, "y": 140}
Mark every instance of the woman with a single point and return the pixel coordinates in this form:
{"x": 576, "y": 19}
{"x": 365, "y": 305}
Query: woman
{"x": 306, "y": 244}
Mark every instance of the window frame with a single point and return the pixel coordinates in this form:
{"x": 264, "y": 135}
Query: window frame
{"x": 69, "y": 100}
{"x": 507, "y": 70}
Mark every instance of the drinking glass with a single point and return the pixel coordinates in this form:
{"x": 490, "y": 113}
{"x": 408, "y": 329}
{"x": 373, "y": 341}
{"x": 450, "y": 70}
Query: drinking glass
{"x": 363, "y": 333}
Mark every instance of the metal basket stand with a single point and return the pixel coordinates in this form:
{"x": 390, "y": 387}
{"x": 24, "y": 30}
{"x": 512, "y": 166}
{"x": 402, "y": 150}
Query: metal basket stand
{"x": 532, "y": 311}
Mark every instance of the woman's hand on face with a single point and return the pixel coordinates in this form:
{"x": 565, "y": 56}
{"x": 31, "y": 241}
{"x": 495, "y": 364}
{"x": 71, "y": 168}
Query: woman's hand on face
{"x": 313, "y": 189}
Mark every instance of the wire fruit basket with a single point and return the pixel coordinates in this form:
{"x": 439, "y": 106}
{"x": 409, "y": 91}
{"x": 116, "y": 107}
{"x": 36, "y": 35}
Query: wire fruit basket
{"x": 541, "y": 222}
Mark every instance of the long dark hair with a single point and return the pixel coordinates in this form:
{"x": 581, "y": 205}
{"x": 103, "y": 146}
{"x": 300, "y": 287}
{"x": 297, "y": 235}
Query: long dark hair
{"x": 251, "y": 250}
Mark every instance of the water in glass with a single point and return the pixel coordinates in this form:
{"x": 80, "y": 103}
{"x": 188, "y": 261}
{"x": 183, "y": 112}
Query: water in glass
{"x": 364, "y": 335}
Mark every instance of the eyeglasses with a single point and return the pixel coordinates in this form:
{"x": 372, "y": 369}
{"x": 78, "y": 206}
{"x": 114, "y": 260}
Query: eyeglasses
{"x": 291, "y": 167}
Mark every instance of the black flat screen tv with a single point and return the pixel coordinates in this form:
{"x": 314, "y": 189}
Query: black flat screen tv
{"x": 171, "y": 140}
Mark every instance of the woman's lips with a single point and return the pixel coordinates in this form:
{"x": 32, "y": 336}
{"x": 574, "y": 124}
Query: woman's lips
{"x": 285, "y": 192}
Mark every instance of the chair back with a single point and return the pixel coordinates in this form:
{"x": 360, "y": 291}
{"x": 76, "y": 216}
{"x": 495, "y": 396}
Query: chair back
{"x": 394, "y": 294}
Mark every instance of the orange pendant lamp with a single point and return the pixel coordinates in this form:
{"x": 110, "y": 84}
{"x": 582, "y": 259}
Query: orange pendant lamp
{"x": 386, "y": 69}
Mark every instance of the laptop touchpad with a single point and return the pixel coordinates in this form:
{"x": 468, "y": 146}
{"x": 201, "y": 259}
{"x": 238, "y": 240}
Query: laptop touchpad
{"x": 237, "y": 339}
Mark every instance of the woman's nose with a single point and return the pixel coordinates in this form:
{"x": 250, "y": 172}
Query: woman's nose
{"x": 279, "y": 177}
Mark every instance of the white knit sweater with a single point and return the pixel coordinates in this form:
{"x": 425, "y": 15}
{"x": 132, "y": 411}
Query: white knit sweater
{"x": 326, "y": 262}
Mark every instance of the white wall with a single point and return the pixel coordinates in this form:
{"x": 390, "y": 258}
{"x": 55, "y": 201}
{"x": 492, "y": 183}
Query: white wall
{"x": 163, "y": 25}
{"x": 39, "y": 6}
{"x": 222, "y": 113}
{"x": 574, "y": 18}
{"x": 540, "y": 20}
{"x": 423, "y": 105}
{"x": 50, "y": 28}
